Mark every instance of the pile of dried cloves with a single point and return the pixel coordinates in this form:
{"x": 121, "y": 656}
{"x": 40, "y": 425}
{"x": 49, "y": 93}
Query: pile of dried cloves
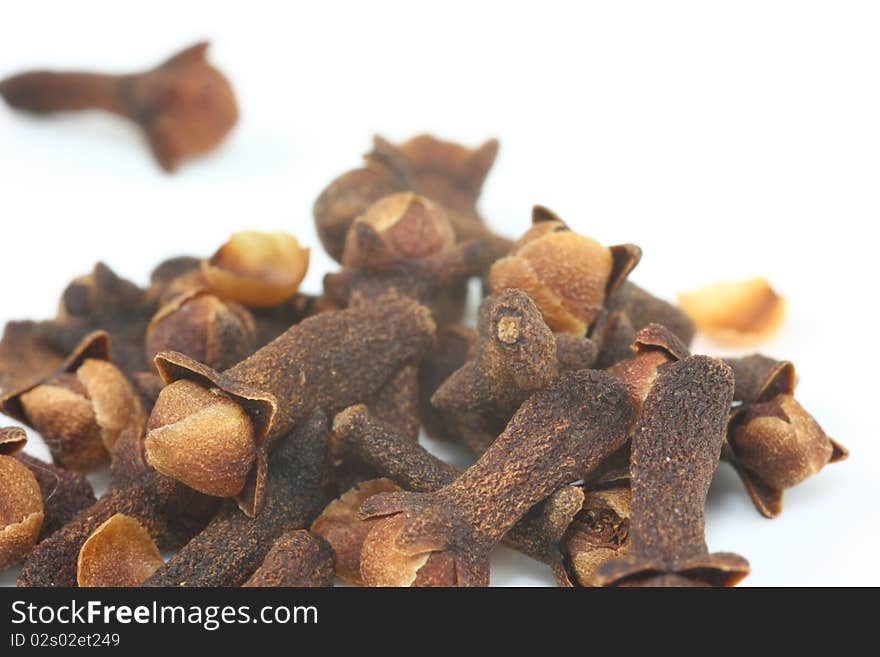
{"x": 267, "y": 437}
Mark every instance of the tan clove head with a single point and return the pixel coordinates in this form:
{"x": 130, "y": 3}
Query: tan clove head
{"x": 21, "y": 511}
{"x": 211, "y": 330}
{"x": 566, "y": 275}
{"x": 408, "y": 227}
{"x": 82, "y": 414}
{"x": 257, "y": 269}
{"x": 202, "y": 438}
{"x": 12, "y": 440}
{"x": 120, "y": 552}
{"x": 780, "y": 442}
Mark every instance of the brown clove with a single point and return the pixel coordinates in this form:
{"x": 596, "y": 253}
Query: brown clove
{"x": 21, "y": 511}
{"x": 298, "y": 559}
{"x": 444, "y": 537}
{"x": 185, "y": 106}
{"x": 65, "y": 493}
{"x": 211, "y": 426}
{"x": 643, "y": 308}
{"x": 119, "y": 552}
{"x": 233, "y": 545}
{"x": 675, "y": 450}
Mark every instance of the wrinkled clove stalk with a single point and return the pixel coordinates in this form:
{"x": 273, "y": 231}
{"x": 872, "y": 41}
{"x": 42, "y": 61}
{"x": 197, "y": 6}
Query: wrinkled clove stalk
{"x": 643, "y": 308}
{"x": 676, "y": 446}
{"x": 567, "y": 275}
{"x": 65, "y": 493}
{"x": 359, "y": 436}
{"x": 444, "y": 537}
{"x": 81, "y": 410}
{"x": 773, "y": 443}
{"x": 446, "y": 173}
{"x": 298, "y": 559}
{"x": 233, "y": 545}
{"x": 406, "y": 243}
{"x": 598, "y": 533}
{"x": 614, "y": 335}
{"x": 213, "y": 430}
{"x": 171, "y": 513}
{"x": 203, "y": 326}
{"x": 185, "y": 106}
{"x": 119, "y": 552}
{"x": 516, "y": 356}
{"x": 21, "y": 511}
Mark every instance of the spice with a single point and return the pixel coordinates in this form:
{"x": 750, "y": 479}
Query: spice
{"x": 326, "y": 362}
{"x": 65, "y": 493}
{"x": 119, "y": 552}
{"x": 516, "y": 356}
{"x": 361, "y": 438}
{"x": 567, "y": 275}
{"x": 739, "y": 313}
{"x": 614, "y": 334}
{"x": 82, "y": 409}
{"x": 406, "y": 243}
{"x": 185, "y": 106}
{"x": 233, "y": 545}
{"x": 259, "y": 270}
{"x": 12, "y": 440}
{"x": 759, "y": 378}
{"x": 21, "y": 511}
{"x": 675, "y": 450}
{"x": 446, "y": 173}
{"x": 643, "y": 308}
{"x": 444, "y": 537}
{"x": 598, "y": 533}
{"x": 298, "y": 559}
{"x": 205, "y": 327}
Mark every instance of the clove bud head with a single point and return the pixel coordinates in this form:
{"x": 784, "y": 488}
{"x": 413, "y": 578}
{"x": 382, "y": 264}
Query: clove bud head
{"x": 211, "y": 330}
{"x": 407, "y": 227}
{"x": 82, "y": 414}
{"x": 564, "y": 273}
{"x": 120, "y": 552}
{"x": 780, "y": 442}
{"x": 257, "y": 269}
{"x": 21, "y": 511}
{"x": 598, "y": 533}
{"x": 202, "y": 438}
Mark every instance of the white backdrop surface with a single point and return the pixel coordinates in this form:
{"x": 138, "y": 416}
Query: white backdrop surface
{"x": 728, "y": 139}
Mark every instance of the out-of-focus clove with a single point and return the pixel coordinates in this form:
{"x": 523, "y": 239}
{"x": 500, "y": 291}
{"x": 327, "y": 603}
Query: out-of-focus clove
{"x": 185, "y": 106}
{"x": 567, "y": 275}
{"x": 446, "y": 173}
{"x": 327, "y": 362}
{"x": 65, "y": 493}
{"x": 232, "y": 546}
{"x": 444, "y": 537}
{"x": 298, "y": 559}
{"x": 12, "y": 440}
{"x": 643, "y": 308}
{"x": 675, "y": 450}
{"x": 119, "y": 552}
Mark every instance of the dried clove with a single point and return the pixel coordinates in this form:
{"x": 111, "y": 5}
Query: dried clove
{"x": 598, "y": 533}
{"x": 740, "y": 313}
{"x": 205, "y": 327}
{"x": 327, "y": 362}
{"x": 233, "y": 545}
{"x": 516, "y": 356}
{"x": 406, "y": 243}
{"x": 675, "y": 450}
{"x": 21, "y": 511}
{"x": 773, "y": 443}
{"x": 12, "y": 440}
{"x": 119, "y": 552}
{"x": 643, "y": 308}
{"x": 298, "y": 559}
{"x": 567, "y": 275}
{"x": 258, "y": 270}
{"x": 185, "y": 106}
{"x": 82, "y": 409}
{"x": 65, "y": 493}
{"x": 446, "y": 173}
{"x": 444, "y": 537}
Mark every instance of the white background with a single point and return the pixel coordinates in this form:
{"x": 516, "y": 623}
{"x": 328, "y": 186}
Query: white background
{"x": 728, "y": 139}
